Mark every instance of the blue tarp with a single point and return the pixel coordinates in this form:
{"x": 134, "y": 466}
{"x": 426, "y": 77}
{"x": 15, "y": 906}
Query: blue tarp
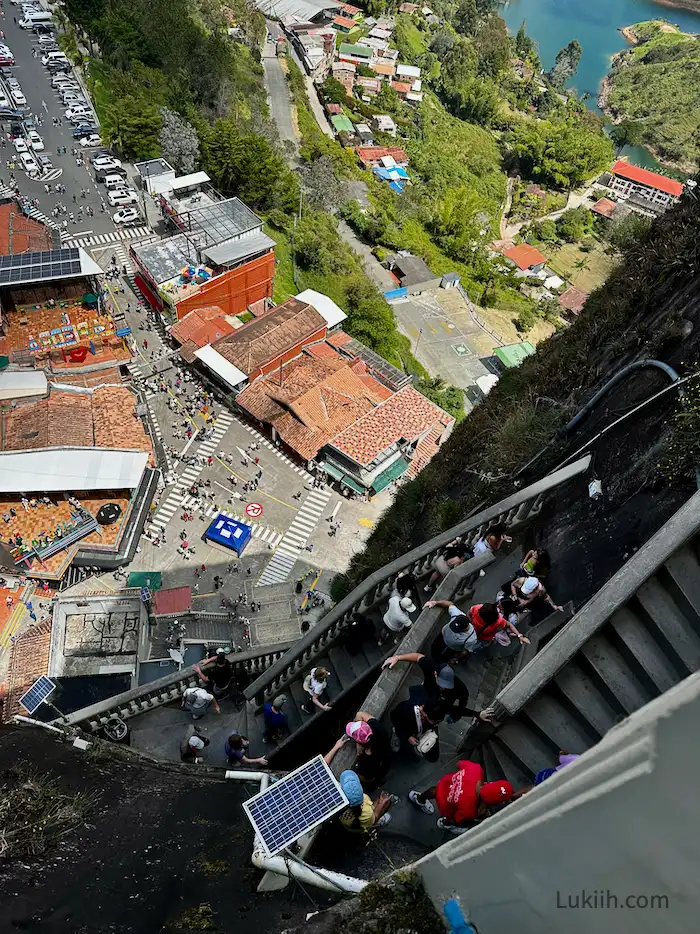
{"x": 229, "y": 532}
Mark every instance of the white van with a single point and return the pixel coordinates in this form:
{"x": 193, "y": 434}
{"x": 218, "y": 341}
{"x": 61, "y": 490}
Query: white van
{"x": 33, "y": 17}
{"x": 115, "y": 181}
{"x": 56, "y": 56}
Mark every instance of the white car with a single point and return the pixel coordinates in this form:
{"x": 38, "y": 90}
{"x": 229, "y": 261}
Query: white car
{"x": 4, "y": 102}
{"x": 17, "y": 96}
{"x": 20, "y": 145}
{"x": 120, "y": 197}
{"x": 29, "y": 163}
{"x": 106, "y": 162}
{"x": 35, "y": 141}
{"x": 78, "y": 111}
{"x": 92, "y": 140}
{"x": 60, "y": 80}
{"x": 126, "y": 216}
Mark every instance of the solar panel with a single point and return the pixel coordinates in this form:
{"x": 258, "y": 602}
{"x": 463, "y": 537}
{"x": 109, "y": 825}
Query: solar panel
{"x": 40, "y": 691}
{"x": 34, "y": 266}
{"x": 295, "y": 805}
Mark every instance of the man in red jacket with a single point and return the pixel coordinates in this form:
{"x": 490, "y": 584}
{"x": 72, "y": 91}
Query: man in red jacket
{"x": 463, "y": 797}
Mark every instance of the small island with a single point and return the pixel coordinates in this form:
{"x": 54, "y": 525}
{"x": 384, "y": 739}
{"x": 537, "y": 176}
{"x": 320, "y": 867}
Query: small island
{"x": 653, "y": 92}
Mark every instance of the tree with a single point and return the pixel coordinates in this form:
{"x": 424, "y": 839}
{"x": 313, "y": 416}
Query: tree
{"x": 562, "y": 154}
{"x": 522, "y": 41}
{"x": 565, "y": 64}
{"x": 547, "y": 230}
{"x": 132, "y": 126}
{"x": 334, "y": 92}
{"x": 629, "y": 231}
{"x": 317, "y": 245}
{"x": 321, "y": 184}
{"x": 467, "y": 17}
{"x": 178, "y": 141}
{"x": 441, "y": 43}
{"x": 627, "y": 133}
{"x": 574, "y": 224}
{"x": 492, "y": 45}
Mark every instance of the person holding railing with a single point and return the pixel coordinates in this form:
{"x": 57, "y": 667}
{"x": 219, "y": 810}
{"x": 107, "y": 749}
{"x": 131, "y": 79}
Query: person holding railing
{"x": 453, "y": 554}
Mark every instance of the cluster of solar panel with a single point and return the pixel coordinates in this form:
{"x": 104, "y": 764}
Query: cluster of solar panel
{"x": 40, "y": 691}
{"x": 31, "y": 267}
{"x": 294, "y": 805}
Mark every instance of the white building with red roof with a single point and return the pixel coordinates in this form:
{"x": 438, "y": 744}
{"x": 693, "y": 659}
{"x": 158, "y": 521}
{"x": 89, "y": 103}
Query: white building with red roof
{"x": 640, "y": 185}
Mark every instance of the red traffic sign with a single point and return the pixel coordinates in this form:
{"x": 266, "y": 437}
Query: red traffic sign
{"x": 254, "y": 510}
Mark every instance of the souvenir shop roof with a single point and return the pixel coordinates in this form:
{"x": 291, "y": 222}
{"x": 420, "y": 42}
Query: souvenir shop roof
{"x": 45, "y": 266}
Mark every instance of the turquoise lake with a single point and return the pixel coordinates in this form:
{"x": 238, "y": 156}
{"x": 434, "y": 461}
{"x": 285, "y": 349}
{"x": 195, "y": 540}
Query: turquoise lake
{"x": 596, "y": 25}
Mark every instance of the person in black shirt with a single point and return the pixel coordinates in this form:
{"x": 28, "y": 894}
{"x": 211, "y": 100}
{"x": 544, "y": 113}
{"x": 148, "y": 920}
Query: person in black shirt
{"x": 218, "y": 679}
{"x": 441, "y": 688}
{"x": 410, "y": 721}
{"x": 373, "y": 749}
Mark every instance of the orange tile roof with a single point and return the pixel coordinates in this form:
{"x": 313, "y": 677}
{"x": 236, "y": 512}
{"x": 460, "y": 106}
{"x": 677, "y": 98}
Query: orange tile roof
{"x": 604, "y": 207}
{"x": 270, "y": 335}
{"x": 104, "y": 418}
{"x": 183, "y": 329}
{"x": 371, "y": 155}
{"x": 344, "y": 22}
{"x": 524, "y": 256}
{"x": 406, "y": 414}
{"x": 401, "y": 87}
{"x": 573, "y": 300}
{"x": 321, "y": 349}
{"x": 338, "y": 338}
{"x": 317, "y": 399}
{"x": 27, "y": 233}
{"x": 29, "y": 660}
{"x": 384, "y": 68}
{"x": 644, "y": 177}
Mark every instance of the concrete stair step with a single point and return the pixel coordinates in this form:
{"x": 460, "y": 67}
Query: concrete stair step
{"x": 343, "y": 666}
{"x": 614, "y": 675}
{"x": 561, "y": 726}
{"x": 581, "y": 693}
{"x": 528, "y": 751}
{"x": 677, "y": 629}
{"x": 499, "y": 764}
{"x": 683, "y": 569}
{"x": 643, "y": 646}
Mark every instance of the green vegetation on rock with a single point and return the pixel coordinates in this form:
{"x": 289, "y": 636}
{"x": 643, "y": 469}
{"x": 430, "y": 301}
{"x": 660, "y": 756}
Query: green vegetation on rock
{"x": 655, "y": 86}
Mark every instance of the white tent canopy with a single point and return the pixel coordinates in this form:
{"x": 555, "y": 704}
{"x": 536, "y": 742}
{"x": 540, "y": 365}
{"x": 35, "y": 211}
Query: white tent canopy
{"x": 67, "y": 469}
{"x": 324, "y": 305}
{"x": 213, "y": 360}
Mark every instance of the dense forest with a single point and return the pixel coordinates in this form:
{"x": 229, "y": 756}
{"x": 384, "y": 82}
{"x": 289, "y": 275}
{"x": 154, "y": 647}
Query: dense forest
{"x": 653, "y": 93}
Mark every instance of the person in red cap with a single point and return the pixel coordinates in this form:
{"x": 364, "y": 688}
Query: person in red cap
{"x": 462, "y": 797}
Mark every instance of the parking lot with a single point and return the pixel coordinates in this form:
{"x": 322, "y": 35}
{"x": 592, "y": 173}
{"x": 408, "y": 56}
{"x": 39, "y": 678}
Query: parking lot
{"x": 84, "y": 196}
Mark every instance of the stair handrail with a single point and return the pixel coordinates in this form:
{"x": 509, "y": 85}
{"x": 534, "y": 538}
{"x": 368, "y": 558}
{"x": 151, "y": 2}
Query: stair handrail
{"x": 612, "y": 596}
{"x": 164, "y": 690}
{"x": 514, "y": 508}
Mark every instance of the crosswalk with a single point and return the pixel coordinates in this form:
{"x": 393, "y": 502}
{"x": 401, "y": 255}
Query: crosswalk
{"x": 177, "y": 496}
{"x": 113, "y": 236}
{"x": 265, "y": 533}
{"x": 293, "y": 542}
{"x": 261, "y": 439}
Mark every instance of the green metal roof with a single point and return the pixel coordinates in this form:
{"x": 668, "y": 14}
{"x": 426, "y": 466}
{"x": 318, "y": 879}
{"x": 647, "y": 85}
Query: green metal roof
{"x": 151, "y": 579}
{"x": 333, "y": 471}
{"x": 352, "y": 484}
{"x": 360, "y": 51}
{"x": 342, "y": 124}
{"x": 391, "y": 473}
{"x": 513, "y": 354}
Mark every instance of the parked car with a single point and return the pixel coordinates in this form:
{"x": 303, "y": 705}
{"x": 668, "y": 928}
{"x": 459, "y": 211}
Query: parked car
{"x": 56, "y": 56}
{"x": 105, "y": 161}
{"x": 35, "y": 141}
{"x": 79, "y": 111}
{"x": 20, "y": 145}
{"x": 4, "y": 100}
{"x": 126, "y": 216}
{"x": 6, "y": 57}
{"x": 58, "y": 67}
{"x": 120, "y": 197}
{"x": 29, "y": 163}
{"x": 45, "y": 164}
{"x": 84, "y": 129}
{"x": 17, "y": 96}
{"x": 102, "y": 174}
{"x": 92, "y": 140}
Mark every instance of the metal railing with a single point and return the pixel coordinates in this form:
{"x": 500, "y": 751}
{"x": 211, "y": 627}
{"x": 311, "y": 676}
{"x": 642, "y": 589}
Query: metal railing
{"x": 165, "y": 690}
{"x": 512, "y": 512}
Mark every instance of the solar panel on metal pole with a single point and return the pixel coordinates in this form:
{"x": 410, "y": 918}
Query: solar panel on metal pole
{"x": 294, "y": 805}
{"x": 37, "y": 694}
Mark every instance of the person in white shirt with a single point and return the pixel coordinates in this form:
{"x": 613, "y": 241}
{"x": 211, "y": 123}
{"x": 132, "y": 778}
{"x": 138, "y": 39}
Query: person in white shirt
{"x": 315, "y": 683}
{"x": 458, "y": 638}
{"x": 197, "y": 701}
{"x": 396, "y": 618}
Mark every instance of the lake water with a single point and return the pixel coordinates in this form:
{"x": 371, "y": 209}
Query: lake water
{"x": 596, "y": 25}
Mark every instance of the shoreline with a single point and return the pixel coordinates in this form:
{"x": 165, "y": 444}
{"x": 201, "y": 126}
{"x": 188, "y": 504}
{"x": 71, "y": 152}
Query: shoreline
{"x": 692, "y": 5}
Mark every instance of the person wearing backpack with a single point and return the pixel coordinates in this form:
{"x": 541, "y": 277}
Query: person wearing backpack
{"x": 315, "y": 684}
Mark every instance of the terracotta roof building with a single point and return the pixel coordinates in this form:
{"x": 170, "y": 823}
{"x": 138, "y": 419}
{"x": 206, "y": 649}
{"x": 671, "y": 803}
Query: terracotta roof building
{"x": 21, "y": 234}
{"x": 276, "y": 337}
{"x": 525, "y": 257}
{"x": 605, "y": 207}
{"x": 199, "y": 328}
{"x": 29, "y": 660}
{"x": 313, "y": 398}
{"x": 370, "y": 156}
{"x": 404, "y": 415}
{"x": 643, "y": 179}
{"x": 573, "y": 300}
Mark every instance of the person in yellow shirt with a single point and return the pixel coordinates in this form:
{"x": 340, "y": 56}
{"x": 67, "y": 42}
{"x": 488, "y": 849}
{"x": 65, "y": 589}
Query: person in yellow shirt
{"x": 362, "y": 813}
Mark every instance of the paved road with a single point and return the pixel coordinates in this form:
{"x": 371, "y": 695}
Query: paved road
{"x": 35, "y": 82}
{"x": 278, "y": 93}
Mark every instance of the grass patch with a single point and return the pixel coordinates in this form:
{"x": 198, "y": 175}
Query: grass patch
{"x": 214, "y": 867}
{"x": 196, "y": 919}
{"x": 35, "y": 813}
{"x": 597, "y": 265}
{"x": 409, "y": 39}
{"x": 97, "y": 82}
{"x": 284, "y": 285}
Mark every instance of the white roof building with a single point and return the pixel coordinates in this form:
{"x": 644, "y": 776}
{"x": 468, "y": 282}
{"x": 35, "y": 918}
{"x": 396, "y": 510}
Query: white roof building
{"x": 407, "y": 71}
{"x": 21, "y": 384}
{"x": 62, "y": 469}
{"x": 324, "y": 305}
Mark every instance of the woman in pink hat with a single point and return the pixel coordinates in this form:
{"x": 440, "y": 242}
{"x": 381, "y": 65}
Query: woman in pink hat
{"x": 372, "y": 747}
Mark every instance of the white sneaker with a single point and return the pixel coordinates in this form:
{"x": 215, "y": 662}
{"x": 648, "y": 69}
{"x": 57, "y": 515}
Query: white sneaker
{"x": 427, "y": 806}
{"x": 383, "y": 820}
{"x": 444, "y": 824}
